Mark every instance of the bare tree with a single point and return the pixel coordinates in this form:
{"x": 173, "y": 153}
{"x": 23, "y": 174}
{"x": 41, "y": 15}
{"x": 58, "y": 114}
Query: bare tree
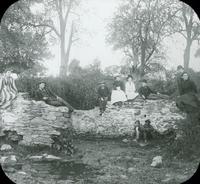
{"x": 62, "y": 10}
{"x": 188, "y": 25}
{"x": 138, "y": 28}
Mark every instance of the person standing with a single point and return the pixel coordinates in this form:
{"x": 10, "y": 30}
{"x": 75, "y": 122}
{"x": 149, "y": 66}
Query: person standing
{"x": 179, "y": 73}
{"x": 187, "y": 101}
{"x": 103, "y": 94}
{"x": 130, "y": 89}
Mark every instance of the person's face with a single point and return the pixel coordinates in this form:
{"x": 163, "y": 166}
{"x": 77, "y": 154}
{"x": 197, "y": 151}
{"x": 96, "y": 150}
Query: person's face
{"x": 144, "y": 84}
{"x": 42, "y": 85}
{"x": 129, "y": 79}
{"x": 118, "y": 88}
{"x": 137, "y": 123}
{"x": 8, "y": 73}
{"x": 180, "y": 70}
{"x": 185, "y": 76}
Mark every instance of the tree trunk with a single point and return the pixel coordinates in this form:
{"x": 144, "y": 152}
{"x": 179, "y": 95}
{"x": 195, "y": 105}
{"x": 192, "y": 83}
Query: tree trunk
{"x": 63, "y": 71}
{"x": 187, "y": 55}
{"x": 69, "y": 47}
{"x": 143, "y": 47}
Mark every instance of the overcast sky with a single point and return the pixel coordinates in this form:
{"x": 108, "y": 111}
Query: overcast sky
{"x": 95, "y": 15}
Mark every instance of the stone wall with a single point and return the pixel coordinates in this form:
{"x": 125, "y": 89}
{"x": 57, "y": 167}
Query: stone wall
{"x": 118, "y": 122}
{"x": 35, "y": 120}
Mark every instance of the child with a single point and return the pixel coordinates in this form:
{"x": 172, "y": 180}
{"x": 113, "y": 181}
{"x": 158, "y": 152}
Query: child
{"x": 148, "y": 130}
{"x": 103, "y": 94}
{"x": 137, "y": 131}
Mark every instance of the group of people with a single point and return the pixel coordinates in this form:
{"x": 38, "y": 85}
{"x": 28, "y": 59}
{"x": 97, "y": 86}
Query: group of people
{"x": 187, "y": 99}
{"x": 121, "y": 92}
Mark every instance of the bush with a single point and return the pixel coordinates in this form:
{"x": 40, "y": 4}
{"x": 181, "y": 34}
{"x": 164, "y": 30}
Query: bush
{"x": 79, "y": 90}
{"x": 187, "y": 146}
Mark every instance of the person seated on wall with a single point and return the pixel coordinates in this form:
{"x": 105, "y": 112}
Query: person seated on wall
{"x": 45, "y": 94}
{"x": 145, "y": 91}
{"x": 118, "y": 95}
{"x": 187, "y": 101}
{"x": 103, "y": 94}
{"x": 130, "y": 89}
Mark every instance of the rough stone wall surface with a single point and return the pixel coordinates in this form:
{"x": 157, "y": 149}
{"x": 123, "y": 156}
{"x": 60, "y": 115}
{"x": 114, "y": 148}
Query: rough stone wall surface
{"x": 35, "y": 120}
{"x": 114, "y": 122}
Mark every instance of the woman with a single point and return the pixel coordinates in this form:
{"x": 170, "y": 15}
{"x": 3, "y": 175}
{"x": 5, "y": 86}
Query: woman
{"x": 130, "y": 89}
{"x": 187, "y": 101}
{"x": 118, "y": 96}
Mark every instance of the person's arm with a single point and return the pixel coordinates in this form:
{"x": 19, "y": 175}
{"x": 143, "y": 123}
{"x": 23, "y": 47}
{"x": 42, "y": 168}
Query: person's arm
{"x": 194, "y": 87}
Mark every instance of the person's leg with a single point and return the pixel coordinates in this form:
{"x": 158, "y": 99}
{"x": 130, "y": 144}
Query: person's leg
{"x": 54, "y": 102}
{"x": 104, "y": 104}
{"x": 101, "y": 106}
{"x": 71, "y": 109}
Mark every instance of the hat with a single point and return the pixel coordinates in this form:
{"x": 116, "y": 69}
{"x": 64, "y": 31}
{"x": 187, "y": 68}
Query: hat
{"x": 129, "y": 76}
{"x": 102, "y": 82}
{"x": 179, "y": 67}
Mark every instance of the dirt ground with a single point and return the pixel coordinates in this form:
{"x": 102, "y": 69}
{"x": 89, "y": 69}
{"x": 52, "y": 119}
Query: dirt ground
{"x": 103, "y": 162}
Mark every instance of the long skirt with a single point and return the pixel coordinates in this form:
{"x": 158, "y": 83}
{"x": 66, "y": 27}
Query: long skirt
{"x": 131, "y": 95}
{"x": 118, "y": 96}
{"x": 188, "y": 103}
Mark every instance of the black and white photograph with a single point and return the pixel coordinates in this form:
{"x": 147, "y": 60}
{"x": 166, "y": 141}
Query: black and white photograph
{"x": 99, "y": 92}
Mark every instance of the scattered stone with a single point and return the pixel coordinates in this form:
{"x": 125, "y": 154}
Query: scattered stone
{"x": 157, "y": 161}
{"x": 22, "y": 172}
{"x": 36, "y": 158}
{"x": 131, "y": 169}
{"x": 6, "y": 147}
{"x": 124, "y": 177}
{"x": 125, "y": 140}
{"x": 8, "y": 160}
{"x": 50, "y": 157}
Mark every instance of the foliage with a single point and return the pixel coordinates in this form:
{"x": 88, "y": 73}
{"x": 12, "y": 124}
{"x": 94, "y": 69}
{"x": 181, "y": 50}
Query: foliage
{"x": 138, "y": 28}
{"x": 21, "y": 45}
{"x": 79, "y": 89}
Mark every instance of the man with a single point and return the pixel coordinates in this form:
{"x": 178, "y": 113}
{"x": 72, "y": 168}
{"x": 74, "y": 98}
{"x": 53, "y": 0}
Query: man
{"x": 103, "y": 94}
{"x": 44, "y": 94}
{"x": 144, "y": 91}
{"x": 180, "y": 71}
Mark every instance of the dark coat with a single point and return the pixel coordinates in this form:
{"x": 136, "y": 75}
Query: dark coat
{"x": 187, "y": 86}
{"x": 103, "y": 92}
{"x": 40, "y": 94}
{"x": 188, "y": 100}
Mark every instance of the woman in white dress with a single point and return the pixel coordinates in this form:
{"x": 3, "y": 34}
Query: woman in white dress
{"x": 118, "y": 96}
{"x": 130, "y": 89}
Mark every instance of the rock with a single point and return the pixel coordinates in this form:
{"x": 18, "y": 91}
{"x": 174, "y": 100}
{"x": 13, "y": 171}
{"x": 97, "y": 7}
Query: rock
{"x": 13, "y": 158}
{"x": 22, "y": 172}
{"x": 6, "y": 147}
{"x": 8, "y": 160}
{"x": 125, "y": 140}
{"x": 131, "y": 169}
{"x": 50, "y": 157}
{"x": 124, "y": 177}
{"x": 36, "y": 158}
{"x": 157, "y": 161}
